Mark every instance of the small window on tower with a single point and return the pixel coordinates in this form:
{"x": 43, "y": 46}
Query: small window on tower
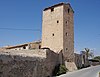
{"x": 52, "y": 9}
{"x": 66, "y": 34}
{"x": 24, "y": 47}
{"x": 57, "y": 21}
{"x": 66, "y": 22}
{"x": 68, "y": 10}
{"x": 53, "y": 34}
{"x": 66, "y": 48}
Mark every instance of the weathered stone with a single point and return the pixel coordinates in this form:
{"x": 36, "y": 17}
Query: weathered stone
{"x": 58, "y": 30}
{"x": 22, "y": 64}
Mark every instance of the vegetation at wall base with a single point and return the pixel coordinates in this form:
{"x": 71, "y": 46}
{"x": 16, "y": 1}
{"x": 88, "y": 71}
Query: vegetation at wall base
{"x": 97, "y": 58}
{"x": 60, "y": 69}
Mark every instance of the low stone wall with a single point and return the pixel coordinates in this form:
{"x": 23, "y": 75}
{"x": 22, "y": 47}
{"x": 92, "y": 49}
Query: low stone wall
{"x": 27, "y": 63}
{"x": 70, "y": 66}
{"x": 78, "y": 60}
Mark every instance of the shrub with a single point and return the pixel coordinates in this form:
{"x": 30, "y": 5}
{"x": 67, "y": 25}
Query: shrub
{"x": 60, "y": 69}
{"x": 97, "y": 58}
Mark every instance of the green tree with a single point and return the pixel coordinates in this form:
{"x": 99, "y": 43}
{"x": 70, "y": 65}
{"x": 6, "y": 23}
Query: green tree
{"x": 97, "y": 58}
{"x": 89, "y": 53}
{"x": 60, "y": 69}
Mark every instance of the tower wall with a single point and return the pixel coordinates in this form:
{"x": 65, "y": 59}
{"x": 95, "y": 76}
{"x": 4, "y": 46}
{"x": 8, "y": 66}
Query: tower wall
{"x": 68, "y": 33}
{"x": 58, "y": 31}
{"x": 52, "y": 29}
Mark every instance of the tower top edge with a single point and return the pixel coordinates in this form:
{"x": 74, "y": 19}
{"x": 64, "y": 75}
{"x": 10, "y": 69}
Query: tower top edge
{"x": 57, "y": 5}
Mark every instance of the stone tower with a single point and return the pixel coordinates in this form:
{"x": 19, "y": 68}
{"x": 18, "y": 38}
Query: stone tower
{"x": 58, "y": 31}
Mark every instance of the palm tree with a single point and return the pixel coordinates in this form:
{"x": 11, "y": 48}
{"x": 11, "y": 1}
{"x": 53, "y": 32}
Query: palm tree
{"x": 89, "y": 54}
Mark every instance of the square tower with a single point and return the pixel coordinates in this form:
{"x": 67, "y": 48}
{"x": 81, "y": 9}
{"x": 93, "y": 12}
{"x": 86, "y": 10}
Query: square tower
{"x": 58, "y": 31}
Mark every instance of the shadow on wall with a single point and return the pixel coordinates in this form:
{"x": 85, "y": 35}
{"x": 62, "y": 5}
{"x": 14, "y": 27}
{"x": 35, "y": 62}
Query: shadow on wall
{"x": 28, "y": 66}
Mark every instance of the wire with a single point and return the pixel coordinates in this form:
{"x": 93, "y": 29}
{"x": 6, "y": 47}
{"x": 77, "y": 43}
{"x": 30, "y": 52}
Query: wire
{"x": 20, "y": 29}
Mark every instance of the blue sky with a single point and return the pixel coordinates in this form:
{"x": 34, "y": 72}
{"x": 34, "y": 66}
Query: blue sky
{"x": 27, "y": 14}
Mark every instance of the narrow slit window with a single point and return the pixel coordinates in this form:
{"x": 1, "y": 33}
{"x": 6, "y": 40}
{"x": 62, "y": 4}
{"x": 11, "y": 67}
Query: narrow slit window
{"x": 66, "y": 22}
{"x": 57, "y": 21}
{"x": 53, "y": 34}
{"x": 66, "y": 34}
{"x": 68, "y": 10}
{"x": 52, "y": 9}
{"x": 24, "y": 47}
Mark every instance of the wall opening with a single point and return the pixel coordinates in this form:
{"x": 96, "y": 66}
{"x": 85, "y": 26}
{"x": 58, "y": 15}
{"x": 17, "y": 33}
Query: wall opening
{"x": 52, "y": 9}
{"x": 68, "y": 10}
{"x": 53, "y": 34}
{"x": 66, "y": 48}
{"x": 66, "y": 34}
{"x": 57, "y": 21}
{"x": 24, "y": 47}
{"x": 66, "y": 22}
{"x": 39, "y": 46}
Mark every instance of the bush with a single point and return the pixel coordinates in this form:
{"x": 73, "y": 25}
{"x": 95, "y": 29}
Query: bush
{"x": 97, "y": 58}
{"x": 60, "y": 69}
